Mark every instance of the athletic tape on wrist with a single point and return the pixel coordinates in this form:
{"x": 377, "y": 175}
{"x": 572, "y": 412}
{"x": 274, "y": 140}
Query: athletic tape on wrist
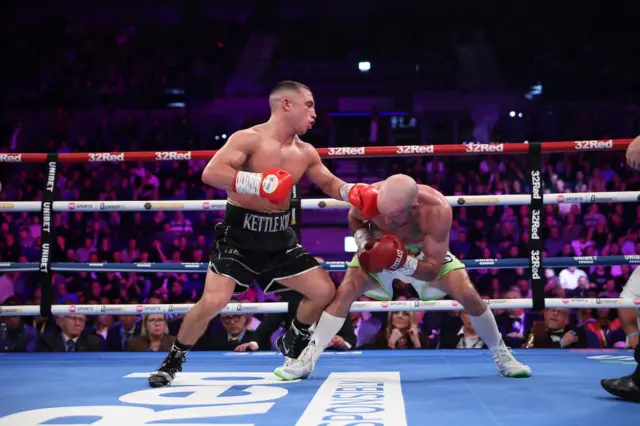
{"x": 360, "y": 237}
{"x": 344, "y": 191}
{"x": 410, "y": 266}
{"x": 248, "y": 183}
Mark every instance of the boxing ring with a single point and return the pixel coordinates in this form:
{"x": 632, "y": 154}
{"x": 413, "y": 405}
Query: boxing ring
{"x": 348, "y": 388}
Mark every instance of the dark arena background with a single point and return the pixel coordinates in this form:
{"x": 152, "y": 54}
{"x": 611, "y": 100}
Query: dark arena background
{"x": 518, "y": 113}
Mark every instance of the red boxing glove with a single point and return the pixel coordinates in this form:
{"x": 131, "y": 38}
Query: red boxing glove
{"x": 388, "y": 253}
{"x": 363, "y": 196}
{"x": 274, "y": 184}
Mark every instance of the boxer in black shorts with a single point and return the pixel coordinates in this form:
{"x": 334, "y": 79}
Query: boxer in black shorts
{"x": 258, "y": 168}
{"x": 258, "y": 246}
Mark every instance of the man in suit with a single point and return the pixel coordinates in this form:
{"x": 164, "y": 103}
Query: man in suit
{"x": 234, "y": 333}
{"x": 365, "y": 327}
{"x": 15, "y": 335}
{"x": 70, "y": 338}
{"x": 120, "y": 332}
{"x": 345, "y": 338}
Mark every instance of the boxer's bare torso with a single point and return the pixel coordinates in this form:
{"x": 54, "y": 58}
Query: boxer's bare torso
{"x": 264, "y": 152}
{"x": 421, "y": 219}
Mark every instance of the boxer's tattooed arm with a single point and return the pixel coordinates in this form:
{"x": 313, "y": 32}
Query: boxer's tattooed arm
{"x": 436, "y": 242}
{"x": 322, "y": 176}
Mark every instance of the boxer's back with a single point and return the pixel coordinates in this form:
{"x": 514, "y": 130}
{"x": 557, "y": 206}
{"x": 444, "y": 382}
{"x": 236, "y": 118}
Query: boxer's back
{"x": 268, "y": 154}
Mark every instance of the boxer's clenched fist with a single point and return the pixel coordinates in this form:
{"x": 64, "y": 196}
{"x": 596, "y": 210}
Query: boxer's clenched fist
{"x": 363, "y": 196}
{"x": 274, "y": 184}
{"x": 388, "y": 253}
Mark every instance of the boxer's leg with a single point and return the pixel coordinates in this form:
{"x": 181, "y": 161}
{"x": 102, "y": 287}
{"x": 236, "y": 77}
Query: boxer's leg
{"x": 218, "y": 290}
{"x": 356, "y": 282}
{"x": 628, "y": 387}
{"x": 457, "y": 284}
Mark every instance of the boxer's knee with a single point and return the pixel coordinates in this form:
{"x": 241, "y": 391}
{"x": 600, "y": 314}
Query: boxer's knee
{"x": 352, "y": 287}
{"x": 458, "y": 285}
{"x": 218, "y": 291}
{"x": 325, "y": 293}
{"x": 211, "y": 304}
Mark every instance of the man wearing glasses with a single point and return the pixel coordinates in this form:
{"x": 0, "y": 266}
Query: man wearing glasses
{"x": 70, "y": 337}
{"x": 234, "y": 333}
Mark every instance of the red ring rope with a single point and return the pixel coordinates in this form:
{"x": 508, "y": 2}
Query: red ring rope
{"x": 341, "y": 152}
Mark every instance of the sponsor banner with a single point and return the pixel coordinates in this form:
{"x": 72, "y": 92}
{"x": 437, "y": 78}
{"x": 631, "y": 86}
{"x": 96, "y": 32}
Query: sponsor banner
{"x": 81, "y": 206}
{"x": 95, "y": 157}
{"x": 477, "y": 200}
{"x": 111, "y": 206}
{"x": 6, "y": 206}
{"x": 346, "y": 151}
{"x": 110, "y": 309}
{"x": 595, "y": 144}
{"x": 84, "y": 309}
{"x": 415, "y": 149}
{"x": 151, "y": 205}
{"x": 172, "y": 156}
{"x": 373, "y": 398}
{"x": 10, "y": 158}
{"x": 485, "y": 148}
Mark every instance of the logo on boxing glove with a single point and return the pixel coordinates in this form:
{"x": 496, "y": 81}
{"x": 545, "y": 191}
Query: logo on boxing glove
{"x": 269, "y": 183}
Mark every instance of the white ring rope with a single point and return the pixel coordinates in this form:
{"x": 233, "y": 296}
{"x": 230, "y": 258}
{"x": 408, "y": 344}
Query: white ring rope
{"x": 281, "y": 307}
{"x": 317, "y": 203}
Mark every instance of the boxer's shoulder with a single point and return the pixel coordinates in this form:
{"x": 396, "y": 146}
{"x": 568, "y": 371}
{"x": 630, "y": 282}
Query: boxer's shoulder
{"x": 245, "y": 139}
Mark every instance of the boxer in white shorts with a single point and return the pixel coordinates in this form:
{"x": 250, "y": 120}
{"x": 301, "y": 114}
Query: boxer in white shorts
{"x": 408, "y": 216}
{"x": 628, "y": 387}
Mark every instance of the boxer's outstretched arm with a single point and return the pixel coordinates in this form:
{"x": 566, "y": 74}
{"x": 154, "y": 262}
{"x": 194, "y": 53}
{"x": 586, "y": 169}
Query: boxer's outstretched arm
{"x": 435, "y": 244}
{"x": 322, "y": 176}
{"x": 221, "y": 170}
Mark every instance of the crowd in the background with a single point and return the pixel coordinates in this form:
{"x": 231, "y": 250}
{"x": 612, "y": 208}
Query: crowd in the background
{"x": 58, "y": 70}
{"x": 477, "y": 232}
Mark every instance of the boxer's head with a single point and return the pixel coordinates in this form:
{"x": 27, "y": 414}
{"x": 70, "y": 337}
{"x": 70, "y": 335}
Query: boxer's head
{"x": 293, "y": 103}
{"x": 396, "y": 198}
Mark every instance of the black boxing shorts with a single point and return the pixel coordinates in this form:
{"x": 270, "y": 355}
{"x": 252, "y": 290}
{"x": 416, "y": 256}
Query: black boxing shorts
{"x": 251, "y": 245}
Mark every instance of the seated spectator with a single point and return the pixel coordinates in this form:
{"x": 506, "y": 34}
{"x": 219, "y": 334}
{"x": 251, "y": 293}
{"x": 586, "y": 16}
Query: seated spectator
{"x": 126, "y": 328}
{"x": 569, "y": 277}
{"x": 554, "y": 332}
{"x": 467, "y": 336}
{"x": 401, "y": 332}
{"x": 234, "y": 333}
{"x": 365, "y": 327}
{"x": 274, "y": 325}
{"x": 15, "y": 336}
{"x": 70, "y": 338}
{"x": 513, "y": 324}
{"x": 153, "y": 337}
{"x": 606, "y": 331}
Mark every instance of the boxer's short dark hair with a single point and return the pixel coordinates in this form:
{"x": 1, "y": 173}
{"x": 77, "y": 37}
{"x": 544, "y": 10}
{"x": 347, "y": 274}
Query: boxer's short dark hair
{"x": 288, "y": 85}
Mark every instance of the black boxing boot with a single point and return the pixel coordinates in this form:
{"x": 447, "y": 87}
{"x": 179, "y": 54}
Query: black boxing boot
{"x": 627, "y": 387}
{"x": 171, "y": 365}
{"x": 293, "y": 342}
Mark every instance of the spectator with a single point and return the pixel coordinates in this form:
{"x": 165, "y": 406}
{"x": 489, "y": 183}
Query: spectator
{"x": 71, "y": 337}
{"x": 126, "y": 328}
{"x": 234, "y": 333}
{"x": 569, "y": 277}
{"x": 468, "y": 338}
{"x": 15, "y": 336}
{"x": 554, "y": 332}
{"x": 606, "y": 331}
{"x": 153, "y": 337}
{"x": 401, "y": 333}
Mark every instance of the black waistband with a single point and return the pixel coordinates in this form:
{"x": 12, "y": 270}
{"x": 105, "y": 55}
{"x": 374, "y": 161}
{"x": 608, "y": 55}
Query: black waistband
{"x": 253, "y": 221}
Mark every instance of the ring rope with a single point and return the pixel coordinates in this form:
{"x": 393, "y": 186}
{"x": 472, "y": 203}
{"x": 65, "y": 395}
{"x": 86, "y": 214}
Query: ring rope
{"x": 339, "y": 152}
{"x": 282, "y": 307}
{"x": 316, "y": 203}
{"x": 337, "y": 266}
